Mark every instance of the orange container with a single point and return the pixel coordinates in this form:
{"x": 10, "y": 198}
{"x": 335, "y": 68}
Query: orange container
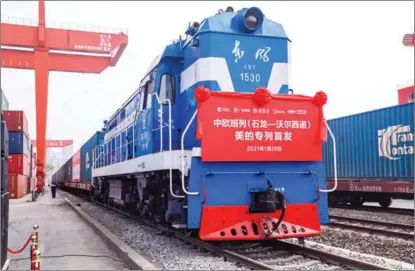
{"x": 17, "y": 185}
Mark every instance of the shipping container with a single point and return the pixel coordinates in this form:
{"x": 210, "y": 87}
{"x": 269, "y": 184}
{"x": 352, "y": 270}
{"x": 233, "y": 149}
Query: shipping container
{"x": 4, "y": 142}
{"x": 67, "y": 171}
{"x": 4, "y": 227}
{"x": 30, "y": 184}
{"x": 373, "y": 146}
{"x": 18, "y": 164}
{"x": 18, "y": 143}
{"x": 76, "y": 167}
{"x": 4, "y": 103}
{"x": 17, "y": 186}
{"x": 86, "y": 156}
{"x": 3, "y": 177}
{"x": 16, "y": 121}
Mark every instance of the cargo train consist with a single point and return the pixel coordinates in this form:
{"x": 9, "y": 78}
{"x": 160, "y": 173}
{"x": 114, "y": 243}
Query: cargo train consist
{"x": 76, "y": 172}
{"x": 213, "y": 141}
{"x": 376, "y": 156}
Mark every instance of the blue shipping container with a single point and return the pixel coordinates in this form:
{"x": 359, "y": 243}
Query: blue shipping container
{"x": 376, "y": 145}
{"x": 86, "y": 156}
{"x": 18, "y": 143}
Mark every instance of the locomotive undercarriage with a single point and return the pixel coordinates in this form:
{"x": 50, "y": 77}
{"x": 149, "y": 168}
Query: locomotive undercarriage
{"x": 145, "y": 194}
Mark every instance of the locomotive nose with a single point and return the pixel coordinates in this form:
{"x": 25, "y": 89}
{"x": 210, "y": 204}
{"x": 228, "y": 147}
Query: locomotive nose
{"x": 249, "y": 20}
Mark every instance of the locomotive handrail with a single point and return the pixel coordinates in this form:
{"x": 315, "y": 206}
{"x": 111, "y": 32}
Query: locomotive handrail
{"x": 182, "y": 156}
{"x": 334, "y": 160}
{"x": 94, "y": 163}
{"x": 170, "y": 141}
{"x": 161, "y": 118}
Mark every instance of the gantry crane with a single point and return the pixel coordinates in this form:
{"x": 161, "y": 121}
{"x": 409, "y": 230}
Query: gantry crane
{"x": 49, "y": 49}
{"x": 53, "y": 143}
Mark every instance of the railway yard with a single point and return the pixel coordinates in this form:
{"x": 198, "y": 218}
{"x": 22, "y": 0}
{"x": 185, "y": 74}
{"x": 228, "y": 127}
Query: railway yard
{"x": 350, "y": 245}
{"x": 213, "y": 162}
{"x": 161, "y": 248}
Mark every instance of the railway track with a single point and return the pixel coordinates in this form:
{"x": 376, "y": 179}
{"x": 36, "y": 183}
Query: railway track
{"x": 398, "y": 211}
{"x": 405, "y": 231}
{"x": 264, "y": 255}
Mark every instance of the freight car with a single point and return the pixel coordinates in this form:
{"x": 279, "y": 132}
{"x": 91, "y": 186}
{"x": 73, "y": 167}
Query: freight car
{"x": 75, "y": 174}
{"x": 376, "y": 156}
{"x": 214, "y": 142}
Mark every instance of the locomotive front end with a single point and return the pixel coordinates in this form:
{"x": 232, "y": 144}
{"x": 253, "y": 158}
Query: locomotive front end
{"x": 256, "y": 169}
{"x": 259, "y": 168}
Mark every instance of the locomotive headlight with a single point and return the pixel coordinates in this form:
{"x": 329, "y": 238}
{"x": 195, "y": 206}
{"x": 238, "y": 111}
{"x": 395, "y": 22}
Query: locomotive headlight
{"x": 248, "y": 20}
{"x": 253, "y": 18}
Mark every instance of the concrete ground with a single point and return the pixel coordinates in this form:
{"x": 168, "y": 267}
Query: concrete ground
{"x": 66, "y": 242}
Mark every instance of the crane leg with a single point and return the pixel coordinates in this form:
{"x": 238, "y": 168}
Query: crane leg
{"x": 41, "y": 79}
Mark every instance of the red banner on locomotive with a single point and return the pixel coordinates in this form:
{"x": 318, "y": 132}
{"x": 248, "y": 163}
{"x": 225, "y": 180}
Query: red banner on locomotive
{"x": 260, "y": 127}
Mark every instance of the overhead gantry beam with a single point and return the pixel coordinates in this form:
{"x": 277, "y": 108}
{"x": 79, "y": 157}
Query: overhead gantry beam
{"x": 60, "y": 62}
{"x": 64, "y": 40}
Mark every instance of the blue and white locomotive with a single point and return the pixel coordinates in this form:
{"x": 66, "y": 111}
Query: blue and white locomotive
{"x": 151, "y": 160}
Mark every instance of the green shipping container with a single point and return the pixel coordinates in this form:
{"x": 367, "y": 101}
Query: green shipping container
{"x": 4, "y": 103}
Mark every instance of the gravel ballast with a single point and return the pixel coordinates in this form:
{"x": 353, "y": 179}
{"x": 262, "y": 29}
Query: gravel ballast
{"x": 378, "y": 216}
{"x": 171, "y": 253}
{"x": 381, "y": 261}
{"x": 388, "y": 247}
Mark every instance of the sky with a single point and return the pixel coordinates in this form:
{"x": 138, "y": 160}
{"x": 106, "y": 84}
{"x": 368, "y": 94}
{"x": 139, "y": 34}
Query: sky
{"x": 352, "y": 50}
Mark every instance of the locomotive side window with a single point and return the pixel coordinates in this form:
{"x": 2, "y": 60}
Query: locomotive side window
{"x": 122, "y": 114}
{"x": 147, "y": 92}
{"x": 167, "y": 87}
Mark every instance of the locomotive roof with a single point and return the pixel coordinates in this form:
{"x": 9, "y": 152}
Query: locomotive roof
{"x": 220, "y": 23}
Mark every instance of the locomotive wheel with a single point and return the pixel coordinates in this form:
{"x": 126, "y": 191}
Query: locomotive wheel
{"x": 385, "y": 202}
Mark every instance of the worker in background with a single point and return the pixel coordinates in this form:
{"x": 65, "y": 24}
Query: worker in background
{"x": 53, "y": 187}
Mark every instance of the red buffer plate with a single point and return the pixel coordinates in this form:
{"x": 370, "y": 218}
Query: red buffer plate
{"x": 260, "y": 126}
{"x": 222, "y": 223}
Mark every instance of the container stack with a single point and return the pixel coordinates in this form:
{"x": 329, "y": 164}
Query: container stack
{"x": 4, "y": 155}
{"x": 19, "y": 158}
{"x": 4, "y": 199}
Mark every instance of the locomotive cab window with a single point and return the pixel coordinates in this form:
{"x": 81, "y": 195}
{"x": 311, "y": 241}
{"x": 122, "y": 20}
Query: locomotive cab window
{"x": 144, "y": 97}
{"x": 167, "y": 88}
